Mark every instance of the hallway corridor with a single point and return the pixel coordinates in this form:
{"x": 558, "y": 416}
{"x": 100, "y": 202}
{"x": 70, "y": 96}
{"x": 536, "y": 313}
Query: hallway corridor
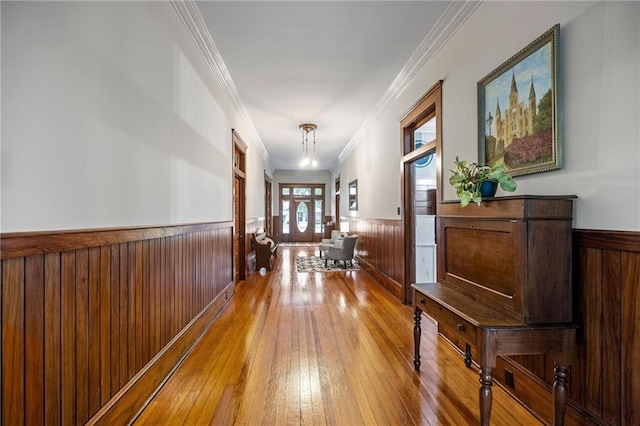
{"x": 321, "y": 348}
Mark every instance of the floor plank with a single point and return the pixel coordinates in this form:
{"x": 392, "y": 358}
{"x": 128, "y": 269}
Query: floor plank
{"x": 331, "y": 348}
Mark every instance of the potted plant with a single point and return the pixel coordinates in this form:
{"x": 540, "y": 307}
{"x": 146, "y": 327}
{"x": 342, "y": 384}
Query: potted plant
{"x": 472, "y": 180}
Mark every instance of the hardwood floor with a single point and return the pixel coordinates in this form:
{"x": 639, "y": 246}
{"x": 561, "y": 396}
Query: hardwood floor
{"x": 321, "y": 348}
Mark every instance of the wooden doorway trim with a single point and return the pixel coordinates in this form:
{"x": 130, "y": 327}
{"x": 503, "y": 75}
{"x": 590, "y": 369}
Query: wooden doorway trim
{"x": 337, "y": 189}
{"x": 268, "y": 203}
{"x": 287, "y": 193}
{"x": 430, "y": 105}
{"x": 239, "y": 208}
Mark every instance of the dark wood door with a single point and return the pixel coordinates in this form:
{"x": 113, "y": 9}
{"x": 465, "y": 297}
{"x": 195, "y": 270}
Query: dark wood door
{"x": 268, "y": 215}
{"x": 239, "y": 259}
{"x": 337, "y": 219}
{"x": 302, "y": 221}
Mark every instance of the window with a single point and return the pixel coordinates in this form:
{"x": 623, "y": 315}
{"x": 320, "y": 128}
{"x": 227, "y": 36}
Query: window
{"x": 285, "y": 217}
{"x": 302, "y": 191}
{"x": 318, "y": 216}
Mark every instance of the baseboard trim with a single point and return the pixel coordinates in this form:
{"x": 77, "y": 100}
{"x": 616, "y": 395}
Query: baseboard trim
{"x": 126, "y": 405}
{"x": 387, "y": 282}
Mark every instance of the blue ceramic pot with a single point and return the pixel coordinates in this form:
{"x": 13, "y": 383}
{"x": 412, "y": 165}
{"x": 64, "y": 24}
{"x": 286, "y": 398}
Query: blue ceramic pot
{"x": 488, "y": 189}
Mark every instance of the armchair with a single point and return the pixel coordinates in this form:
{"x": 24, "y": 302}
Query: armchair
{"x": 335, "y": 240}
{"x": 342, "y": 252}
{"x": 336, "y": 237}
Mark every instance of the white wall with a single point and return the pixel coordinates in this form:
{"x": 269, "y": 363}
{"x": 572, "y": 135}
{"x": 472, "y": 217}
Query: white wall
{"x": 375, "y": 162}
{"x": 600, "y": 68}
{"x": 111, "y": 118}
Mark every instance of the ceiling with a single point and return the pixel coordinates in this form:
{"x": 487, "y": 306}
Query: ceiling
{"x": 330, "y": 63}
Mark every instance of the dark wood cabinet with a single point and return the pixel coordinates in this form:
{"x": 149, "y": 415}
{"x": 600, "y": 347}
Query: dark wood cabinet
{"x": 504, "y": 285}
{"x": 511, "y": 253}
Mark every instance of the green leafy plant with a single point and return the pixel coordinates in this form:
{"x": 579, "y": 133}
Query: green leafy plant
{"x": 467, "y": 178}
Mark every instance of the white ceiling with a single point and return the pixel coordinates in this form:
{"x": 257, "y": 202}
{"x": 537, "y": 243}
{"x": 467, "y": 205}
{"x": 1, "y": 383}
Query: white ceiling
{"x": 323, "y": 62}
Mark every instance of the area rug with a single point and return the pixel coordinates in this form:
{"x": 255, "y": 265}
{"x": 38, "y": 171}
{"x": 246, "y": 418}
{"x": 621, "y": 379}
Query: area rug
{"x": 315, "y": 264}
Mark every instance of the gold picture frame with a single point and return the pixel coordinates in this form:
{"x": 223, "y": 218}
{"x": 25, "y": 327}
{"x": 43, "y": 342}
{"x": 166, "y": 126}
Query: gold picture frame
{"x": 518, "y": 111}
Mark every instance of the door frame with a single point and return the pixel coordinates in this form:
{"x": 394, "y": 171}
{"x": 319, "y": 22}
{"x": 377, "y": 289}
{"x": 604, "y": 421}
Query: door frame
{"x": 268, "y": 202}
{"x": 239, "y": 214}
{"x": 337, "y": 189}
{"x": 430, "y": 105}
{"x": 315, "y": 236}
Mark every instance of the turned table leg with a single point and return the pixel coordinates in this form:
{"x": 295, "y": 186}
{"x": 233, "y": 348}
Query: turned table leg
{"x": 486, "y": 381}
{"x": 417, "y": 333}
{"x": 560, "y": 395}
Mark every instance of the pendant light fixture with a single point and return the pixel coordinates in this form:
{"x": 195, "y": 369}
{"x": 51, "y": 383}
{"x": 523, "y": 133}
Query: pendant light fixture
{"x": 307, "y": 128}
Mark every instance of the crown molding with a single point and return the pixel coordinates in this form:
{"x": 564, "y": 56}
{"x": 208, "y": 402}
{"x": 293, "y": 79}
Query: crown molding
{"x": 194, "y": 23}
{"x": 447, "y": 24}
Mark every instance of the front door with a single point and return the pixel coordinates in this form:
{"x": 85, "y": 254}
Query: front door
{"x": 302, "y": 226}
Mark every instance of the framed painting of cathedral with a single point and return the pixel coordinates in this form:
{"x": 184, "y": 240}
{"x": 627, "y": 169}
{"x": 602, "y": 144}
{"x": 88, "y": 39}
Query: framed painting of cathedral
{"x": 518, "y": 122}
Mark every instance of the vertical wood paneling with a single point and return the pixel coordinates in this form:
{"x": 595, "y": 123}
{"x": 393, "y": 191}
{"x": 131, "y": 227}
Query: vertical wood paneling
{"x": 162, "y": 291}
{"x": 94, "y": 330}
{"x": 52, "y": 343}
{"x": 187, "y": 284}
{"x": 593, "y": 331}
{"x": 380, "y": 245}
{"x": 138, "y": 315}
{"x": 610, "y": 371}
{"x": 105, "y": 325}
{"x": 34, "y": 340}
{"x": 68, "y": 284}
{"x": 146, "y": 318}
{"x": 171, "y": 294}
{"x": 578, "y": 366}
{"x": 78, "y": 324}
{"x": 157, "y": 290}
{"x": 82, "y": 335}
{"x": 178, "y": 281}
{"x": 114, "y": 337}
{"x": 153, "y": 287}
{"x": 123, "y": 330}
{"x": 630, "y": 341}
{"x": 13, "y": 336}
{"x": 131, "y": 310}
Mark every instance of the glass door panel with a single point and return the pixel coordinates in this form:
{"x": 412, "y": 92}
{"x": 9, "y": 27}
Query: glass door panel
{"x": 318, "y": 215}
{"x": 302, "y": 217}
{"x": 424, "y": 208}
{"x": 285, "y": 217}
{"x": 303, "y": 229}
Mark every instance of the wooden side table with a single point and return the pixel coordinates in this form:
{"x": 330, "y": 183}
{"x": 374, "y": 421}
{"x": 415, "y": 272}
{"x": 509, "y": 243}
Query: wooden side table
{"x": 492, "y": 333}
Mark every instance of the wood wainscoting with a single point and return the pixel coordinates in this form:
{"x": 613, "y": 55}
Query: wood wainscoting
{"x": 380, "y": 251}
{"x": 93, "y": 321}
{"x": 604, "y": 386}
